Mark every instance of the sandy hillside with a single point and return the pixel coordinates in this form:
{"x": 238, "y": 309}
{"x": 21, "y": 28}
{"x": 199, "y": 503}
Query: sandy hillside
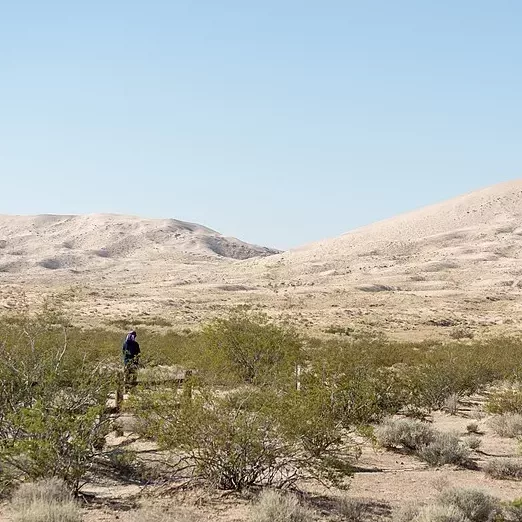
{"x": 452, "y": 265}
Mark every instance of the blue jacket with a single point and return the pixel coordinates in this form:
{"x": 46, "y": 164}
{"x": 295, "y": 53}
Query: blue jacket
{"x": 131, "y": 350}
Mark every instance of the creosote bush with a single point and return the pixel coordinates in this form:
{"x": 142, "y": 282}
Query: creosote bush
{"x": 245, "y": 438}
{"x": 53, "y": 418}
{"x": 506, "y": 401}
{"x": 273, "y": 506}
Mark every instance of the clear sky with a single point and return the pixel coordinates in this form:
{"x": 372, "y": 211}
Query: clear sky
{"x": 277, "y": 121}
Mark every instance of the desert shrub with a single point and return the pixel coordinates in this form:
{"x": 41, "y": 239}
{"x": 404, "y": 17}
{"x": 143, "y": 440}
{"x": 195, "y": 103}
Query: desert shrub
{"x": 445, "y": 448}
{"x": 461, "y": 333}
{"x": 452, "y": 505}
{"x": 507, "y": 425}
{"x": 407, "y": 512}
{"x": 407, "y": 433}
{"x": 273, "y": 506}
{"x": 506, "y": 401}
{"x": 512, "y": 511}
{"x": 504, "y": 469}
{"x": 246, "y": 348}
{"x": 473, "y": 442}
{"x": 352, "y": 509}
{"x": 476, "y": 505}
{"x": 53, "y": 418}
{"x": 451, "y": 404}
{"x": 44, "y": 501}
{"x": 244, "y": 438}
{"x": 473, "y": 427}
{"x": 440, "y": 513}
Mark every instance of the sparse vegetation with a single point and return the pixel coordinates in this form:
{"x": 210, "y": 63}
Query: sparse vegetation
{"x": 273, "y": 506}
{"x": 453, "y": 505}
{"x": 506, "y": 401}
{"x": 44, "y": 501}
{"x": 407, "y": 433}
{"x": 504, "y": 469}
{"x": 446, "y": 448}
{"x": 473, "y": 427}
{"x": 507, "y": 425}
{"x": 473, "y": 442}
{"x": 430, "y": 445}
{"x": 352, "y": 509}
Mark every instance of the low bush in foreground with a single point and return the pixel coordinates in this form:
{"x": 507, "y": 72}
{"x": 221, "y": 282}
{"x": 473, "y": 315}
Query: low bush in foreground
{"x": 445, "y": 448}
{"x": 352, "y": 509}
{"x": 453, "y": 505}
{"x": 405, "y": 433}
{"x": 273, "y": 506}
{"x": 44, "y": 501}
{"x": 247, "y": 437}
{"x": 434, "y": 447}
{"x": 476, "y": 505}
{"x": 504, "y": 469}
{"x": 507, "y": 425}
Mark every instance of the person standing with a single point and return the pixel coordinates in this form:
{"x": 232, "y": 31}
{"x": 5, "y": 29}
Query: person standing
{"x": 131, "y": 360}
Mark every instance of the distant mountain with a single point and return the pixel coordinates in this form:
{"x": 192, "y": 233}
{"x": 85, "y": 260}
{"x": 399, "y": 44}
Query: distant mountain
{"x": 52, "y": 242}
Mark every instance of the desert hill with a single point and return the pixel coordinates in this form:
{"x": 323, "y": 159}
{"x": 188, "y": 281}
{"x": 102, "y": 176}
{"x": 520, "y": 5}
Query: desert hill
{"x": 455, "y": 265}
{"x": 36, "y": 244}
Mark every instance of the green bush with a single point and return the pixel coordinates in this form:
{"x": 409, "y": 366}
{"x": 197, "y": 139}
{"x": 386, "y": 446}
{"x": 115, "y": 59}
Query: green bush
{"x": 244, "y": 438}
{"x": 506, "y": 401}
{"x": 53, "y": 418}
{"x": 250, "y": 349}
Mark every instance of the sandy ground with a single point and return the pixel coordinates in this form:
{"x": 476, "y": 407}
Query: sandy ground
{"x": 456, "y": 265}
{"x": 385, "y": 481}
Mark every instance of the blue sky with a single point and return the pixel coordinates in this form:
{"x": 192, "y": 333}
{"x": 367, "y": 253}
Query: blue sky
{"x": 279, "y": 122}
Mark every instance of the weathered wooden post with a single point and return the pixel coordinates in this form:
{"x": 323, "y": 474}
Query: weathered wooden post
{"x": 298, "y": 377}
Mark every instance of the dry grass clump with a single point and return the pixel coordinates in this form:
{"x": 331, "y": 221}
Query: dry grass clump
{"x": 446, "y": 448}
{"x": 352, "y": 509}
{"x": 406, "y": 433}
{"x": 473, "y": 442}
{"x": 434, "y": 447}
{"x": 273, "y": 506}
{"x": 453, "y": 505}
{"x": 44, "y": 501}
{"x": 473, "y": 427}
{"x": 476, "y": 505}
{"x": 507, "y": 425}
{"x": 504, "y": 469}
{"x": 451, "y": 404}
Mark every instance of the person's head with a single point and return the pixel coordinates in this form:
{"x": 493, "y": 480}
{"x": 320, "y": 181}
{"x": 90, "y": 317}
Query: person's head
{"x": 131, "y": 336}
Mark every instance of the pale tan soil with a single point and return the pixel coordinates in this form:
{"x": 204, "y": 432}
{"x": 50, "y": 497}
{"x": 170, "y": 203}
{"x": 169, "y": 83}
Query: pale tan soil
{"x": 458, "y": 262}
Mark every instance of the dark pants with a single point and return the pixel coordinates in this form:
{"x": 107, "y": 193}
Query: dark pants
{"x": 130, "y": 374}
